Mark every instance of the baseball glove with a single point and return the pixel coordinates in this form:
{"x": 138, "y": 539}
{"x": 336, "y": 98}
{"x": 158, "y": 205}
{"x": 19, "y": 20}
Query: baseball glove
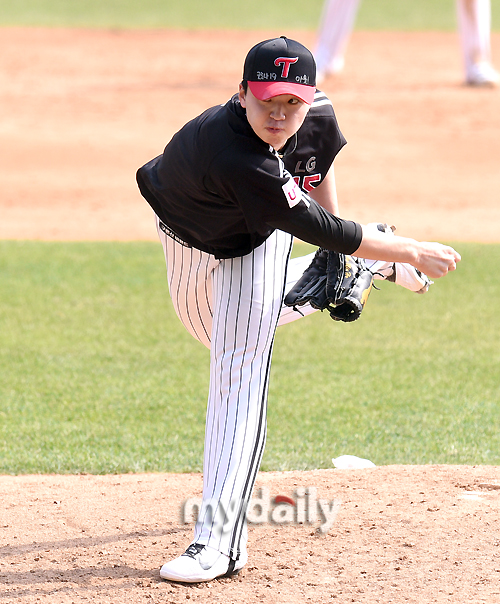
{"x": 335, "y": 282}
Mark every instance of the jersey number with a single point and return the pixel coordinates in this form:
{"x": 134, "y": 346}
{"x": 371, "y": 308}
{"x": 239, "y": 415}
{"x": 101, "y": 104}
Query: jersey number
{"x": 306, "y": 183}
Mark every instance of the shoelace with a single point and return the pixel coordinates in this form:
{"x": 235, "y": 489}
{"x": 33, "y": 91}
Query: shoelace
{"x": 193, "y": 550}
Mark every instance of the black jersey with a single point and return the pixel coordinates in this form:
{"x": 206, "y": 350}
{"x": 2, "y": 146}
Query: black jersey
{"x": 223, "y": 190}
{"x": 309, "y": 155}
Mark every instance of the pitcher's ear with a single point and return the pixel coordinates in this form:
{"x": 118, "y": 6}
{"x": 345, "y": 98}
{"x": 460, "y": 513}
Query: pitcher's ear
{"x": 242, "y": 96}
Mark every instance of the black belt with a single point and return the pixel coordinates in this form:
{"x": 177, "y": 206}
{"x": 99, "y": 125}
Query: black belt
{"x": 168, "y": 231}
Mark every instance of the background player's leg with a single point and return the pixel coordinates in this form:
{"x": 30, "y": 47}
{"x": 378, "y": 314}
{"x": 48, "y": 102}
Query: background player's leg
{"x": 248, "y": 294}
{"x": 474, "y": 26}
{"x": 335, "y": 28}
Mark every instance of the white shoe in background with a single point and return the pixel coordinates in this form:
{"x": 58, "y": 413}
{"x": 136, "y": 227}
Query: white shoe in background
{"x": 482, "y": 74}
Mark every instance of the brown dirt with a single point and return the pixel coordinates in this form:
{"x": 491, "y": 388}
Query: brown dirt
{"x": 81, "y": 111}
{"x": 403, "y": 534}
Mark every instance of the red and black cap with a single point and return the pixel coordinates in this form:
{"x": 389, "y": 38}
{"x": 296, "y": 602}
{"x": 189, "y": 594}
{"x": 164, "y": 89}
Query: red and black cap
{"x": 280, "y": 66}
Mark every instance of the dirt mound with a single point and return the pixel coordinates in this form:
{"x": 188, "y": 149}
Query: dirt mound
{"x": 401, "y": 534}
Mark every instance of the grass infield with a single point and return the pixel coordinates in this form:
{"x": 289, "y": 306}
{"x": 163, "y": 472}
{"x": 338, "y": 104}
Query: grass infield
{"x": 98, "y": 375}
{"x": 228, "y": 14}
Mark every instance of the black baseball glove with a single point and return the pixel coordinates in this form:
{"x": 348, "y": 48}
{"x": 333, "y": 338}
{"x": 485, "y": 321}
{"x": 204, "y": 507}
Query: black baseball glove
{"x": 338, "y": 283}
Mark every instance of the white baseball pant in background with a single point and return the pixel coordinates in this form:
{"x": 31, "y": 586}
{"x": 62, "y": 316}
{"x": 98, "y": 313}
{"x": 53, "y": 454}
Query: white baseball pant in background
{"x": 474, "y": 27}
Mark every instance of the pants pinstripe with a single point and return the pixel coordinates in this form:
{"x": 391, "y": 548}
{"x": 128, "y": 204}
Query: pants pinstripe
{"x": 233, "y": 307}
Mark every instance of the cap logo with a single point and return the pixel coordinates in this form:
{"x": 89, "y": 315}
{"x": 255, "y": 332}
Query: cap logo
{"x": 286, "y": 62}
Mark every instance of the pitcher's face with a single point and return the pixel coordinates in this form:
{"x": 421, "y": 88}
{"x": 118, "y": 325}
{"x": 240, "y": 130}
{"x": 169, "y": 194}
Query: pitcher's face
{"x": 276, "y": 119}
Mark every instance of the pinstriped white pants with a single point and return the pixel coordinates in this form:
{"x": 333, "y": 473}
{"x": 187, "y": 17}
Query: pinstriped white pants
{"x": 233, "y": 307}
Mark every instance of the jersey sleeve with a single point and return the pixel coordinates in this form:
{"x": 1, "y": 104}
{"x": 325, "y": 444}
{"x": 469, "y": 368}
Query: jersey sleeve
{"x": 317, "y": 226}
{"x": 260, "y": 185}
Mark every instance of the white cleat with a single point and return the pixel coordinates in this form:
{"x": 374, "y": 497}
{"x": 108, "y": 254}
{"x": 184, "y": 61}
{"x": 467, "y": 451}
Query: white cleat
{"x": 201, "y": 563}
{"x": 482, "y": 74}
{"x": 335, "y": 67}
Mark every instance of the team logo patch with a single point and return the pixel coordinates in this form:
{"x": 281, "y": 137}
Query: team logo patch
{"x": 285, "y": 62}
{"x": 292, "y": 192}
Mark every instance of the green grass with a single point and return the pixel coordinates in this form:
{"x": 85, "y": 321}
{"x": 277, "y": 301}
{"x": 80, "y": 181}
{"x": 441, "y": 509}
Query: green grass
{"x": 415, "y": 380}
{"x": 97, "y": 375}
{"x": 257, "y": 14}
